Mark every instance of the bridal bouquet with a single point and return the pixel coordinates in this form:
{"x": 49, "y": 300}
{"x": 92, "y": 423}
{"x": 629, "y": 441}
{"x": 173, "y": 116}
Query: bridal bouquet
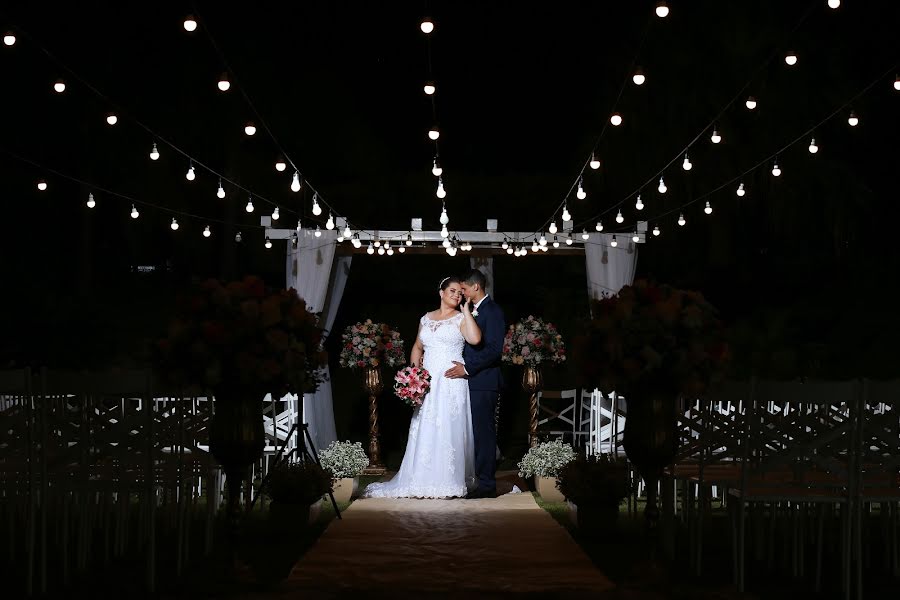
{"x": 412, "y": 384}
{"x": 532, "y": 342}
{"x": 371, "y": 344}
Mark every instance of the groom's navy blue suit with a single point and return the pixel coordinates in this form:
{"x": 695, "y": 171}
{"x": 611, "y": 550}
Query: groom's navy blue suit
{"x": 483, "y": 366}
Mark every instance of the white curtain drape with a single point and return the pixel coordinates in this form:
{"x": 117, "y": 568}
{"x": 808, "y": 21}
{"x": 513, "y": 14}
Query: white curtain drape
{"x": 485, "y": 264}
{"x": 608, "y": 268}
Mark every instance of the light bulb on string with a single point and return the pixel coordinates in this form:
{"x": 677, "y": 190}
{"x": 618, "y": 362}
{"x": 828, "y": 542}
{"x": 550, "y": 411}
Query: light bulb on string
{"x": 553, "y": 227}
{"x": 555, "y": 242}
{"x": 249, "y": 207}
{"x": 190, "y": 23}
{"x": 686, "y": 165}
{"x": 656, "y": 230}
{"x": 436, "y": 169}
{"x": 662, "y": 186}
{"x": 41, "y": 185}
{"x": 638, "y": 78}
{"x": 853, "y": 120}
{"x": 9, "y": 38}
{"x": 347, "y": 232}
{"x": 220, "y": 193}
{"x": 566, "y": 215}
{"x": 134, "y": 212}
{"x": 429, "y": 88}
{"x": 111, "y": 119}
{"x": 318, "y": 232}
{"x": 295, "y": 182}
{"x": 535, "y": 247}
{"x": 639, "y": 204}
{"x": 174, "y": 224}
{"x": 585, "y": 235}
{"x": 897, "y": 83}
{"x": 91, "y": 203}
{"x": 250, "y": 128}
{"x": 409, "y": 241}
{"x": 60, "y": 86}
{"x": 834, "y": 3}
{"x": 444, "y": 218}
{"x": 619, "y": 217}
{"x": 614, "y": 243}
{"x": 751, "y": 103}
{"x": 401, "y": 249}
{"x": 275, "y": 214}
{"x": 440, "y": 192}
{"x": 569, "y": 240}
{"x": 616, "y": 119}
{"x": 776, "y": 170}
{"x": 715, "y": 138}
{"x": 599, "y": 226}
{"x": 662, "y": 11}
{"x": 427, "y": 26}
{"x": 280, "y": 165}
{"x": 708, "y": 208}
{"x": 444, "y": 232}
{"x": 390, "y": 251}
{"x": 370, "y": 249}
{"x": 433, "y": 133}
{"x": 329, "y": 224}
{"x": 207, "y": 232}
{"x": 268, "y": 243}
{"x": 595, "y": 161}
{"x": 357, "y": 243}
{"x": 190, "y": 175}
{"x": 509, "y": 250}
{"x": 224, "y": 84}
{"x": 316, "y": 209}
{"x": 790, "y": 58}
{"x": 505, "y": 243}
{"x": 238, "y": 237}
{"x": 741, "y": 191}
{"x": 580, "y": 194}
{"x": 635, "y": 238}
{"x": 377, "y": 243}
{"x": 813, "y": 148}
{"x": 543, "y": 240}
{"x": 446, "y": 242}
{"x": 681, "y": 220}
{"x": 154, "y": 152}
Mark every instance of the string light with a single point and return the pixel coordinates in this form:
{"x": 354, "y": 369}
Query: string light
{"x": 249, "y": 207}
{"x": 444, "y": 233}
{"x": 681, "y": 220}
{"x": 174, "y": 224}
{"x": 250, "y": 128}
{"x": 585, "y": 235}
{"x": 569, "y": 240}
{"x": 190, "y": 175}
{"x": 599, "y": 226}
{"x": 441, "y": 193}
{"x": 427, "y": 26}
{"x": 639, "y": 204}
{"x": 347, "y": 232}
{"x": 268, "y": 243}
{"x": 505, "y": 243}
{"x": 275, "y": 214}
{"x": 112, "y": 119}
{"x": 41, "y": 185}
{"x": 553, "y": 227}
{"x": 635, "y": 238}
{"x": 834, "y": 3}
{"x": 619, "y": 217}
{"x": 662, "y": 186}
{"x": 377, "y": 243}
{"x": 509, "y": 250}
{"x": 555, "y": 242}
{"x": 207, "y": 232}
{"x": 813, "y": 148}
{"x": 390, "y": 251}
{"x": 662, "y": 11}
{"x": 740, "y": 191}
{"x": 444, "y": 217}
{"x": 9, "y": 38}
{"x": 154, "y": 153}
{"x": 686, "y": 165}
{"x": 751, "y": 103}
{"x": 897, "y": 83}
{"x": 715, "y": 138}
{"x": 295, "y": 182}
{"x": 446, "y": 242}
{"x": 614, "y": 243}
{"x": 91, "y": 203}
{"x": 436, "y": 170}
{"x": 371, "y": 249}
{"x": 776, "y": 170}
{"x": 318, "y": 232}
{"x": 790, "y": 58}
{"x": 409, "y": 241}
{"x": 220, "y": 193}
{"x": 580, "y": 194}
{"x": 224, "y": 85}
{"x": 237, "y": 237}
{"x": 280, "y": 165}
{"x": 329, "y": 224}
{"x": 433, "y": 133}
{"x": 543, "y": 240}
{"x": 357, "y": 243}
{"x": 134, "y": 212}
{"x": 708, "y": 208}
{"x": 616, "y": 119}
{"x": 566, "y": 215}
{"x": 853, "y": 120}
{"x": 316, "y": 209}
{"x": 638, "y": 78}
{"x": 59, "y": 86}
{"x": 190, "y": 23}
{"x": 656, "y": 231}
{"x": 535, "y": 247}
{"x": 595, "y": 162}
{"x": 429, "y": 88}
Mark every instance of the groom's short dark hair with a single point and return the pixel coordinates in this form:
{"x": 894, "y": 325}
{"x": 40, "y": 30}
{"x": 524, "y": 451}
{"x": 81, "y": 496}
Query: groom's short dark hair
{"x": 474, "y": 277}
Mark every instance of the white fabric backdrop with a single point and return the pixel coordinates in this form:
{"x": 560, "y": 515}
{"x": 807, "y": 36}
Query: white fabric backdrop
{"x": 608, "y": 268}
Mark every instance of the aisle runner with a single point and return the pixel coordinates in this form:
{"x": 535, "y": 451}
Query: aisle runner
{"x": 393, "y": 547}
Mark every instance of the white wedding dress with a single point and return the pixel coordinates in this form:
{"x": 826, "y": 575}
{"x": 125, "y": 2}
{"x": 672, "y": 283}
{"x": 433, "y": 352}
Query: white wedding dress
{"x": 440, "y": 453}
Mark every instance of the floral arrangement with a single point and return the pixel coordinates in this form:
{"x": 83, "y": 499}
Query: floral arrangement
{"x": 242, "y": 335}
{"x": 371, "y": 344}
{"x": 532, "y": 342}
{"x": 594, "y": 481}
{"x": 302, "y": 482}
{"x": 412, "y": 384}
{"x": 653, "y": 335}
{"x": 546, "y": 459}
{"x": 344, "y": 459}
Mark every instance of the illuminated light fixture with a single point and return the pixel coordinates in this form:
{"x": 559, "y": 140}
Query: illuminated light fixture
{"x": 280, "y": 165}
{"x": 444, "y": 233}
{"x": 686, "y": 165}
{"x": 708, "y": 208}
{"x": 318, "y": 232}
{"x": 616, "y": 119}
{"x": 224, "y": 84}
{"x": 275, "y": 214}
{"x": 638, "y": 78}
{"x": 595, "y": 162}
{"x": 656, "y": 230}
{"x": 134, "y": 212}
{"x": 190, "y": 175}
{"x": 250, "y": 128}
{"x": 555, "y": 242}
{"x": 429, "y": 88}
{"x": 776, "y": 170}
{"x": 585, "y": 235}
{"x": 249, "y": 207}
{"x": 433, "y": 133}
{"x": 190, "y": 23}
{"x": 681, "y": 220}
{"x": 237, "y": 237}
{"x": 834, "y": 3}
{"x": 154, "y": 152}
{"x": 370, "y": 249}
{"x": 91, "y": 203}
{"x": 112, "y": 119}
{"x": 409, "y": 241}
{"x": 436, "y": 170}
{"x": 329, "y": 224}
{"x": 59, "y": 86}
{"x": 566, "y": 215}
{"x": 41, "y": 185}
{"x": 897, "y": 83}
{"x": 207, "y": 232}
{"x": 295, "y": 182}
{"x": 444, "y": 217}
{"x": 751, "y": 103}
{"x": 553, "y": 227}
{"x": 441, "y": 193}
{"x": 580, "y": 194}
{"x": 268, "y": 243}
{"x": 639, "y": 204}
{"x": 635, "y": 238}
{"x": 619, "y": 217}
{"x": 853, "y": 120}
{"x": 662, "y": 11}
{"x": 662, "y": 186}
{"x": 174, "y": 224}
{"x": 316, "y": 209}
{"x": 9, "y": 38}
{"x": 348, "y": 233}
{"x": 569, "y": 240}
{"x": 741, "y": 191}
{"x": 599, "y": 226}
{"x": 220, "y": 193}
{"x": 813, "y": 148}
{"x": 427, "y": 26}
{"x": 790, "y": 58}
{"x": 715, "y": 138}
{"x": 614, "y": 243}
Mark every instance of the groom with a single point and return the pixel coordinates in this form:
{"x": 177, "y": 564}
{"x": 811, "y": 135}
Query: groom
{"x": 482, "y": 369}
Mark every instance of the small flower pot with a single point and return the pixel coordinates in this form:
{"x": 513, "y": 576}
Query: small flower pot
{"x": 346, "y": 488}
{"x": 546, "y": 487}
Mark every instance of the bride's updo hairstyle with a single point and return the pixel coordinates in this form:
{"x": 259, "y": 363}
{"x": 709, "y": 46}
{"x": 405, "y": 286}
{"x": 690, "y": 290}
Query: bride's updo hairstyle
{"x": 445, "y": 283}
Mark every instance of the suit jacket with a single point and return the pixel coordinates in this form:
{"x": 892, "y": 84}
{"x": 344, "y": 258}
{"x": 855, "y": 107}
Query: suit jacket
{"x": 483, "y": 360}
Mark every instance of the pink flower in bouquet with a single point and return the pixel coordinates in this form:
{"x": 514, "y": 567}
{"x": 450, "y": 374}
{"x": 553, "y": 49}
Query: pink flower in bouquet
{"x": 412, "y": 385}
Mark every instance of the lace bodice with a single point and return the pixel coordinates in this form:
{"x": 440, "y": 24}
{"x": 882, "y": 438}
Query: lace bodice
{"x": 442, "y": 340}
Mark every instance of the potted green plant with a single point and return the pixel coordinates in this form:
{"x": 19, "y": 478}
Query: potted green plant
{"x": 543, "y": 462}
{"x": 292, "y": 488}
{"x": 596, "y": 485}
{"x": 344, "y": 461}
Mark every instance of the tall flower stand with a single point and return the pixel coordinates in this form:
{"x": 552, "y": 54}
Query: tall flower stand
{"x": 533, "y": 382}
{"x": 374, "y": 385}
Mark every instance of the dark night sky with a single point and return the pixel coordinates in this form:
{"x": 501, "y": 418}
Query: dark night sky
{"x": 522, "y": 96}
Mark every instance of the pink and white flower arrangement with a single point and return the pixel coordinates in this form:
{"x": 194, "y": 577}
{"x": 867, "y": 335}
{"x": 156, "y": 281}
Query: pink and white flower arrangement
{"x": 371, "y": 344}
{"x": 412, "y": 384}
{"x": 532, "y": 342}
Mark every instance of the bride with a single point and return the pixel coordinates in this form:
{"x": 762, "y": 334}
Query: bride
{"x": 439, "y": 458}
